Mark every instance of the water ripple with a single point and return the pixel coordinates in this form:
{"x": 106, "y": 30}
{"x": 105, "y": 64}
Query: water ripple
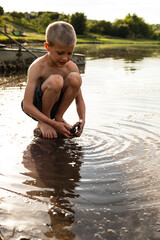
{"x": 120, "y": 167}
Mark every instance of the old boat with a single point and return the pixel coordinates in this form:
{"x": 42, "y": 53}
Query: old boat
{"x": 20, "y": 57}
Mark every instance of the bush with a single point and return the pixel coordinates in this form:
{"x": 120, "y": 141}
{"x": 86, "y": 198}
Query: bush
{"x": 78, "y": 21}
{"x": 1, "y": 11}
{"x": 18, "y": 15}
{"x": 101, "y": 27}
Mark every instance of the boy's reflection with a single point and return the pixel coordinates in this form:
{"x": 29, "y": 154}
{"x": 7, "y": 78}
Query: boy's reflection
{"x": 54, "y": 166}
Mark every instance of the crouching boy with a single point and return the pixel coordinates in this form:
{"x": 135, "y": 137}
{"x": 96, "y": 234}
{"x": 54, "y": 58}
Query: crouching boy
{"x": 53, "y": 82}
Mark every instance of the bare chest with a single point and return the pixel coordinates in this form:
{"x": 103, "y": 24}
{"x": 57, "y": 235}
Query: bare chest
{"x": 48, "y": 71}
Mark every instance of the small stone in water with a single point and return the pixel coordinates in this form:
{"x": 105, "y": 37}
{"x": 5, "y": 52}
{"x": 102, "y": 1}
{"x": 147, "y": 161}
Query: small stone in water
{"x": 54, "y": 213}
{"x": 97, "y": 236}
{"x": 108, "y": 209}
{"x": 79, "y": 222}
{"x": 145, "y": 214}
{"x": 51, "y": 197}
{"x": 100, "y": 228}
{"x": 97, "y": 213}
{"x": 123, "y": 228}
{"x": 111, "y": 231}
{"x": 68, "y": 214}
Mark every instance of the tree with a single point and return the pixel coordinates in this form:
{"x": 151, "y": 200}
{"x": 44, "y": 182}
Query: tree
{"x": 54, "y": 16}
{"x": 101, "y": 27}
{"x": 1, "y": 11}
{"x": 120, "y": 28}
{"x": 138, "y": 26}
{"x": 44, "y": 20}
{"x": 64, "y": 17}
{"x": 79, "y": 22}
{"x": 19, "y": 15}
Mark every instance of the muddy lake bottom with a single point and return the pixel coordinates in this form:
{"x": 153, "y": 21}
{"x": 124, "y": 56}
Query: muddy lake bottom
{"x": 104, "y": 185}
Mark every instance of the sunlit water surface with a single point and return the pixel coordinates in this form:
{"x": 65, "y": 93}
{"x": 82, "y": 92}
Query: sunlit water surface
{"x": 103, "y": 185}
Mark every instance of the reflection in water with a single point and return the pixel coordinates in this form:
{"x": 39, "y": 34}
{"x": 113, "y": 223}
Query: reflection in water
{"x": 129, "y": 53}
{"x": 103, "y": 185}
{"x": 54, "y": 170}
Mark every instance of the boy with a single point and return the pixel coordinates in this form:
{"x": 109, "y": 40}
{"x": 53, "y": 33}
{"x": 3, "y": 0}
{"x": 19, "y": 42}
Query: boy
{"x": 53, "y": 83}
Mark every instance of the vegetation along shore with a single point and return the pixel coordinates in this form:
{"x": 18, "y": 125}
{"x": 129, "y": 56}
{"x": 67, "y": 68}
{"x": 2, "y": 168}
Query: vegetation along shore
{"x": 30, "y": 28}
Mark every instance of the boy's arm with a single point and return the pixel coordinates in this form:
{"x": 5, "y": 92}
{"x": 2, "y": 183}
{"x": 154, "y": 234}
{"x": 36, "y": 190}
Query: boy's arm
{"x": 81, "y": 110}
{"x": 32, "y": 82}
{"x": 29, "y": 108}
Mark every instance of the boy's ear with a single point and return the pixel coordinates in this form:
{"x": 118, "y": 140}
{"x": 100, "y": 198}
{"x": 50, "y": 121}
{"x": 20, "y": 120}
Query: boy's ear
{"x": 46, "y": 46}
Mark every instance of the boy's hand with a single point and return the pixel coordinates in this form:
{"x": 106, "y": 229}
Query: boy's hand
{"x": 77, "y": 129}
{"x": 63, "y": 129}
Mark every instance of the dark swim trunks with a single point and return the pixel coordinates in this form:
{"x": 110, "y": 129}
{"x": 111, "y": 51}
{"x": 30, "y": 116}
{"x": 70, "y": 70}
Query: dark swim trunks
{"x": 37, "y": 102}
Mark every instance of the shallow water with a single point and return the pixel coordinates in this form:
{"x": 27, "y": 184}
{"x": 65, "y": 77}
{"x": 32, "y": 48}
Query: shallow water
{"x": 103, "y": 185}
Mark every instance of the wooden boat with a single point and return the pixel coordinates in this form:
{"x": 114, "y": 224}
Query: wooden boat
{"x": 12, "y": 59}
{"x": 17, "y": 58}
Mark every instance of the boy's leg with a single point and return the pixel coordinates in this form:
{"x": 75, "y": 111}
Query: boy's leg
{"x": 72, "y": 84}
{"x": 51, "y": 89}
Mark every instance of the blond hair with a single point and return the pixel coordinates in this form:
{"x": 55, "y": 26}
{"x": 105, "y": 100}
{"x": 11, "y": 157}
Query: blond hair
{"x": 61, "y": 31}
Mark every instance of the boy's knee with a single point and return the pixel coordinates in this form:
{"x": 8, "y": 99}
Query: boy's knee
{"x": 55, "y": 82}
{"x": 74, "y": 79}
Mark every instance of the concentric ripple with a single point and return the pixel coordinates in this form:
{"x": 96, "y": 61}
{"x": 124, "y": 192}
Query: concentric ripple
{"x": 121, "y": 167}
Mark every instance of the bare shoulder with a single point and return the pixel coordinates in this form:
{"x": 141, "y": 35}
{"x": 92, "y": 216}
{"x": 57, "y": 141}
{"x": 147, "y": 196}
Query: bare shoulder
{"x": 35, "y": 69}
{"x": 38, "y": 63}
{"x": 72, "y": 67}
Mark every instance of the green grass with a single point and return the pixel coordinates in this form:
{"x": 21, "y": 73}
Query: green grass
{"x": 95, "y": 38}
{"x": 32, "y": 37}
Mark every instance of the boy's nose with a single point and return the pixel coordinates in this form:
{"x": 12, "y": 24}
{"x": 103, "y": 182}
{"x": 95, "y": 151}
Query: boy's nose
{"x": 65, "y": 58}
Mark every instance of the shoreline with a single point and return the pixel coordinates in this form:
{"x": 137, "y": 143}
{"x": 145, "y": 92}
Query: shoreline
{"x": 99, "y": 39}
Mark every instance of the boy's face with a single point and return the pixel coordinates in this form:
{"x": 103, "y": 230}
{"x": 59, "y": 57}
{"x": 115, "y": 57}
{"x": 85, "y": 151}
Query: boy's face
{"x": 60, "y": 53}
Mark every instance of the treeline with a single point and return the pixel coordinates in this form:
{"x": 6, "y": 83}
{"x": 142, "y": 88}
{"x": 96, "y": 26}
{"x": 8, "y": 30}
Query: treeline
{"x": 131, "y": 26}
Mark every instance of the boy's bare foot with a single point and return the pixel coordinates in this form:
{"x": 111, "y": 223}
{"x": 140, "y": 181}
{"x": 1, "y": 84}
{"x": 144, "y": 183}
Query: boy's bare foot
{"x": 47, "y": 131}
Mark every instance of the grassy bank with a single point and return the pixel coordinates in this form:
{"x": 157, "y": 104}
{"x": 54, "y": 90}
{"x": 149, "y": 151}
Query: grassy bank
{"x": 99, "y": 39}
{"x": 111, "y": 40}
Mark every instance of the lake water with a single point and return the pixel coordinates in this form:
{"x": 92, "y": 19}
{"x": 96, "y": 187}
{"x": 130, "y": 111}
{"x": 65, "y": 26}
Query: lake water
{"x": 103, "y": 185}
